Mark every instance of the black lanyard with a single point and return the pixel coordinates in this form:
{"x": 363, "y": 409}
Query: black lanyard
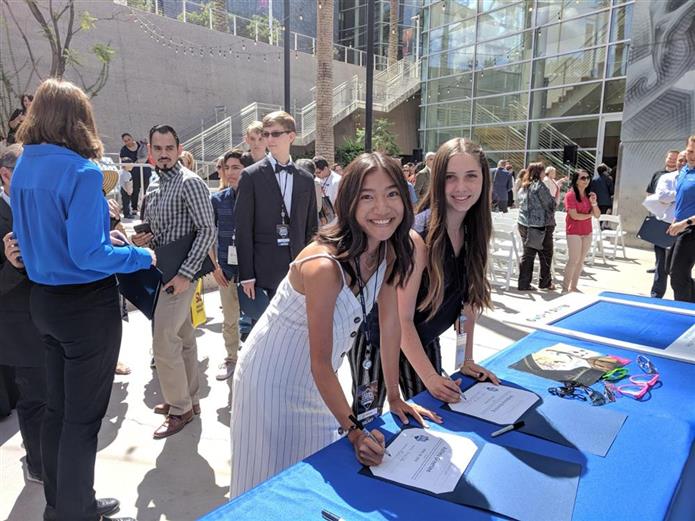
{"x": 283, "y": 211}
{"x": 367, "y": 362}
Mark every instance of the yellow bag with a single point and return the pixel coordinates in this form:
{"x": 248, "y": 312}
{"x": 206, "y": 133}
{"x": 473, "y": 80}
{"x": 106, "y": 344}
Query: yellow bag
{"x": 198, "y": 316}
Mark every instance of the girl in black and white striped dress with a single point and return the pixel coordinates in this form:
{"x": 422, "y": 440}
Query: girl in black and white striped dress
{"x": 287, "y": 402}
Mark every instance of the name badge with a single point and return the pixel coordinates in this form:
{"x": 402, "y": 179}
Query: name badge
{"x": 461, "y": 339}
{"x": 232, "y": 259}
{"x": 366, "y": 396}
{"x": 282, "y": 232}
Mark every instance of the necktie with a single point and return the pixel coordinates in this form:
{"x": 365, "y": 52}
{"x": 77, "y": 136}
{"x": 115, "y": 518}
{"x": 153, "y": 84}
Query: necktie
{"x": 287, "y": 168}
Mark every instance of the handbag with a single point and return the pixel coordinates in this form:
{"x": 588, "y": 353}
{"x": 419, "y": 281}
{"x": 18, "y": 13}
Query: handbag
{"x": 534, "y": 238}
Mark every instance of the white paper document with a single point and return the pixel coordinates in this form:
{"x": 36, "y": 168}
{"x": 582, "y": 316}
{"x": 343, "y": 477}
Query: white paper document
{"x": 426, "y": 459}
{"x": 498, "y": 404}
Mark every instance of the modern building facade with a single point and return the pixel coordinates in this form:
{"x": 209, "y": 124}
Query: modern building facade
{"x": 525, "y": 78}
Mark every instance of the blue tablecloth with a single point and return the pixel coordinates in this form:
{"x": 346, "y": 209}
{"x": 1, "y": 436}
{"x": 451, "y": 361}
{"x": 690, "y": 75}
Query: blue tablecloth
{"x": 648, "y": 327}
{"x": 648, "y": 474}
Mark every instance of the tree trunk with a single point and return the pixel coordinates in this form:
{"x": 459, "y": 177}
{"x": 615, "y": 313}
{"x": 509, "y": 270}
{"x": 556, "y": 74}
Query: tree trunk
{"x": 393, "y": 33}
{"x": 324, "y": 81}
{"x": 219, "y": 16}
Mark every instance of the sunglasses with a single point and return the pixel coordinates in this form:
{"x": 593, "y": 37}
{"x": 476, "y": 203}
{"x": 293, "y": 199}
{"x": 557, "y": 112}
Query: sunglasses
{"x": 275, "y": 133}
{"x": 584, "y": 178}
{"x": 575, "y": 391}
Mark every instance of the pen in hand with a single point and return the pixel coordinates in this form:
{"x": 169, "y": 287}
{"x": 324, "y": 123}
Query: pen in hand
{"x": 367, "y": 433}
{"x": 461, "y": 395}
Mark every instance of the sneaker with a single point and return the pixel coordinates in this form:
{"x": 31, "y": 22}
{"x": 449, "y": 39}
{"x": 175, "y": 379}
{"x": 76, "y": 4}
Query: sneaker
{"x": 226, "y": 370}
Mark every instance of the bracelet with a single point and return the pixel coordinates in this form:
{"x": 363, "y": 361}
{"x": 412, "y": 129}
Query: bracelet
{"x": 594, "y": 205}
{"x": 351, "y": 428}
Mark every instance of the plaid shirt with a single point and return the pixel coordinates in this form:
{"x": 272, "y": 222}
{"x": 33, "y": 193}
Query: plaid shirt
{"x": 178, "y": 207}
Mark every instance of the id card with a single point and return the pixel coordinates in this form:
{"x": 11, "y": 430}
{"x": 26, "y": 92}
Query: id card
{"x": 461, "y": 339}
{"x": 366, "y": 396}
{"x": 232, "y": 259}
{"x": 282, "y": 232}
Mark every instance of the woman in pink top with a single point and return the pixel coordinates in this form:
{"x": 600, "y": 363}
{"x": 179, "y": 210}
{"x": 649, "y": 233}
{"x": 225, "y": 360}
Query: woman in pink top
{"x": 580, "y": 207}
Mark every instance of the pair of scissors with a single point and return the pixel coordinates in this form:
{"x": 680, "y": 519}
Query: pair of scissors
{"x": 615, "y": 374}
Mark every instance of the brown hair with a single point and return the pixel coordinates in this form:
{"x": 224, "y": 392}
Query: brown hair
{"x": 345, "y": 234}
{"x": 477, "y": 227}
{"x": 533, "y": 173}
{"x": 282, "y": 118}
{"x": 188, "y": 160}
{"x": 61, "y": 114}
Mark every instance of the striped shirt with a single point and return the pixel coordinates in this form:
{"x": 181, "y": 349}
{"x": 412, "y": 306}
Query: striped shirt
{"x": 178, "y": 207}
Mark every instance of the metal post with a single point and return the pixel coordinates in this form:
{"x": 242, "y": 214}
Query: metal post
{"x": 210, "y": 15}
{"x": 417, "y": 37}
{"x": 156, "y": 7}
{"x": 184, "y": 11}
{"x": 234, "y": 24}
{"x": 286, "y": 12}
{"x": 369, "y": 98}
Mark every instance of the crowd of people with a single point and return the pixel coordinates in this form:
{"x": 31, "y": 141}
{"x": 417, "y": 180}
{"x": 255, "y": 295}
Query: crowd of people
{"x": 363, "y": 263}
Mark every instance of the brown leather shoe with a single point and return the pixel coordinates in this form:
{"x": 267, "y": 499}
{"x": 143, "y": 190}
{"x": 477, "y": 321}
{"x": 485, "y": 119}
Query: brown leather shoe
{"x": 163, "y": 408}
{"x": 173, "y": 424}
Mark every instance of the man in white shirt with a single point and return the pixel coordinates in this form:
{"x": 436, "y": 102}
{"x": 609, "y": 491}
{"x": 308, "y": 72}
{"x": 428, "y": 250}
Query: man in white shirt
{"x": 329, "y": 179}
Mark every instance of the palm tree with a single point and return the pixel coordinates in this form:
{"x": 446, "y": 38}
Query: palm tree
{"x": 219, "y": 15}
{"x": 393, "y": 33}
{"x": 324, "y": 81}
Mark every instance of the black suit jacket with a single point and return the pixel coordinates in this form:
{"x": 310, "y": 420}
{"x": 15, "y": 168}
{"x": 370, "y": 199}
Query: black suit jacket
{"x": 20, "y": 342}
{"x": 257, "y": 212}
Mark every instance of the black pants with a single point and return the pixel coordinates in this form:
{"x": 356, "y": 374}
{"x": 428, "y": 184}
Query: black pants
{"x": 662, "y": 267}
{"x": 545, "y": 256}
{"x": 125, "y": 199}
{"x": 81, "y": 327}
{"x": 31, "y": 382}
{"x": 139, "y": 184}
{"x": 682, "y": 262}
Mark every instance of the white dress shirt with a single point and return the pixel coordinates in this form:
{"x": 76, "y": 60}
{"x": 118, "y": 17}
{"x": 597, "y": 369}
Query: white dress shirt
{"x": 329, "y": 186}
{"x": 285, "y": 182}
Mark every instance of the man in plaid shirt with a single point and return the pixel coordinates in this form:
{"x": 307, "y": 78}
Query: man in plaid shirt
{"x": 179, "y": 206}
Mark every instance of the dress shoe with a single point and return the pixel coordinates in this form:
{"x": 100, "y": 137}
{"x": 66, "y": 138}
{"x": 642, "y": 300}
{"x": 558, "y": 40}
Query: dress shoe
{"x": 226, "y": 370}
{"x": 173, "y": 424}
{"x": 163, "y": 408}
{"x": 105, "y": 506}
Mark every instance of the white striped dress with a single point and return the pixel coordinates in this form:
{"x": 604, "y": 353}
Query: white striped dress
{"x": 278, "y": 415}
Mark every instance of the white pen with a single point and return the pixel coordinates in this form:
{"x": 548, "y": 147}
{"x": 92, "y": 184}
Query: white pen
{"x": 513, "y": 426}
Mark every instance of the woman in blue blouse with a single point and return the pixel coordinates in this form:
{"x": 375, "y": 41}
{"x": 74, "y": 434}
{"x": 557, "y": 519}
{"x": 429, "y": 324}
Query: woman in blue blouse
{"x": 61, "y": 223}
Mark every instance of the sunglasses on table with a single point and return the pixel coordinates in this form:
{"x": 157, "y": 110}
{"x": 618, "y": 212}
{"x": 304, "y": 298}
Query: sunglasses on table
{"x": 575, "y": 391}
{"x": 275, "y": 133}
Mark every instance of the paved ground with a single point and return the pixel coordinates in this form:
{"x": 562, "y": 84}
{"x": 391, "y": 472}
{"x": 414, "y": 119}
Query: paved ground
{"x": 187, "y": 475}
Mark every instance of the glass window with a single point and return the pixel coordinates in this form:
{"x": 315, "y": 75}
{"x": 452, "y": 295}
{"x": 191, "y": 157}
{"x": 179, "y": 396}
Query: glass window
{"x": 502, "y": 79}
{"x": 503, "y": 21}
{"x": 436, "y": 137}
{"x": 621, "y": 25}
{"x": 555, "y": 135}
{"x": 444, "y": 12}
{"x": 550, "y": 11}
{"x": 586, "y": 158}
{"x": 508, "y": 137}
{"x": 453, "y": 36}
{"x": 614, "y": 96}
{"x": 505, "y": 50}
{"x": 617, "y": 60}
{"x": 569, "y": 68}
{"x": 452, "y": 88}
{"x": 567, "y": 101}
{"x": 512, "y": 107}
{"x": 456, "y": 114}
{"x": 448, "y": 63}
{"x": 572, "y": 35}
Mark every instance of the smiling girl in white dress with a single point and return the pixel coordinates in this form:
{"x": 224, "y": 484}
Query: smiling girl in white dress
{"x": 287, "y": 401}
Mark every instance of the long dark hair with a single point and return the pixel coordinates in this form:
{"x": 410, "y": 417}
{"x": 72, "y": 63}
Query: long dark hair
{"x": 477, "y": 231}
{"x": 574, "y": 178}
{"x": 345, "y": 234}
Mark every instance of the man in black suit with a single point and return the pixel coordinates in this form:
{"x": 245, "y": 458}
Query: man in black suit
{"x": 275, "y": 210}
{"x": 22, "y": 347}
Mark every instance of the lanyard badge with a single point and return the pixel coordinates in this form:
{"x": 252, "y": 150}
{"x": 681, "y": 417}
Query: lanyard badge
{"x": 461, "y": 340}
{"x": 232, "y": 258}
{"x": 368, "y": 390}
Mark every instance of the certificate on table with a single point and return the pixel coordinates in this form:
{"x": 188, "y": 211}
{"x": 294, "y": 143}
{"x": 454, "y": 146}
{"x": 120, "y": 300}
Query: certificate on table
{"x": 498, "y": 404}
{"x": 428, "y": 460}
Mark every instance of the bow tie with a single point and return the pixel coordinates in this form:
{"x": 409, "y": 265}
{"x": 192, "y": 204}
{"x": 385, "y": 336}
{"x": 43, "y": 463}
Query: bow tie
{"x": 289, "y": 168}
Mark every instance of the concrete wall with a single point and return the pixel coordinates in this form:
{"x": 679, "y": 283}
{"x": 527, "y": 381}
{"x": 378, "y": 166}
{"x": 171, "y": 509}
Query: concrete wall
{"x": 659, "y": 111}
{"x": 151, "y": 83}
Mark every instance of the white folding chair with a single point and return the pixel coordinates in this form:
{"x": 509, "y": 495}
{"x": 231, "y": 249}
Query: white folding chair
{"x": 504, "y": 254}
{"x": 614, "y": 235}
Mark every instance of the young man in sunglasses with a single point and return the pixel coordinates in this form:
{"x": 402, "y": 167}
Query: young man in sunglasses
{"x": 275, "y": 211}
